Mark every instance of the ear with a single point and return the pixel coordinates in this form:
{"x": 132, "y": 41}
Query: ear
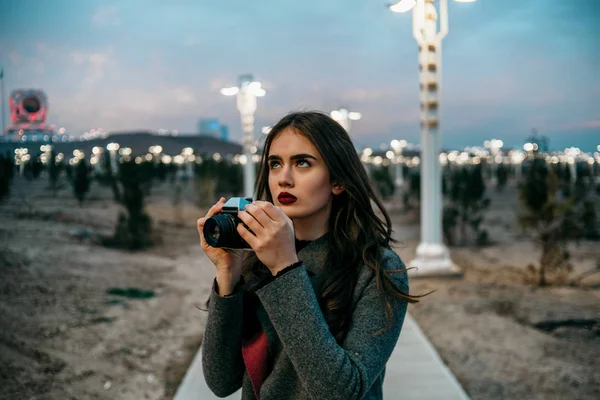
{"x": 337, "y": 188}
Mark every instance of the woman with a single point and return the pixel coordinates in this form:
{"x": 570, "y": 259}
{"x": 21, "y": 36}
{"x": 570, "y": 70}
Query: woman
{"x": 316, "y": 310}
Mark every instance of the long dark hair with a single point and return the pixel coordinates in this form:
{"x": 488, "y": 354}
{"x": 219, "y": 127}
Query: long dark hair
{"x": 356, "y": 233}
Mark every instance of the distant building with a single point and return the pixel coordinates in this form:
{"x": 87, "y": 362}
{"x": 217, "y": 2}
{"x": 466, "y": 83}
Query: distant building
{"x": 212, "y": 127}
{"x": 224, "y": 133}
{"x": 28, "y": 112}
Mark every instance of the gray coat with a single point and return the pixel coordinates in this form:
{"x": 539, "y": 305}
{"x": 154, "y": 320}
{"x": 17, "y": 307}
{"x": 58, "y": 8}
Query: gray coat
{"x": 307, "y": 361}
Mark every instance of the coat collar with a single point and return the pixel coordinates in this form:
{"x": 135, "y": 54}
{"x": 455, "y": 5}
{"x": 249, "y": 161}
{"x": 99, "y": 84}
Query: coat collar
{"x": 314, "y": 254}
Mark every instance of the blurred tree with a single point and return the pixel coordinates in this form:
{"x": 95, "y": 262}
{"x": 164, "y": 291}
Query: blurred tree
{"x": 147, "y": 176}
{"x": 172, "y": 172}
{"x": 7, "y": 168}
{"x": 134, "y": 228}
{"x": 590, "y": 219}
{"x": 414, "y": 190}
{"x": 54, "y": 170}
{"x": 229, "y": 180}
{"x": 466, "y": 205}
{"x": 81, "y": 181}
{"x": 501, "y": 177}
{"x": 177, "y": 202}
{"x": 383, "y": 181}
{"x": 108, "y": 178}
{"x": 552, "y": 223}
{"x": 542, "y": 141}
{"x": 69, "y": 172}
{"x": 37, "y": 167}
{"x": 205, "y": 181}
{"x": 161, "y": 171}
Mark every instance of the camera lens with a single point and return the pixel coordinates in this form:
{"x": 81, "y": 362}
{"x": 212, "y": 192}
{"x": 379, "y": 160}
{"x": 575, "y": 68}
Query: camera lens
{"x": 219, "y": 230}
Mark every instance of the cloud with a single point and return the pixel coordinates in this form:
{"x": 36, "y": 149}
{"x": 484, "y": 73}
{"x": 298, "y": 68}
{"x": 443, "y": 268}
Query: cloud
{"x": 576, "y": 126}
{"x": 183, "y": 95}
{"x": 190, "y": 41}
{"x": 94, "y": 62}
{"x": 366, "y": 95}
{"x": 219, "y": 83}
{"x": 106, "y": 15}
{"x": 15, "y": 57}
{"x": 126, "y": 108}
{"x": 591, "y": 124}
{"x": 24, "y": 63}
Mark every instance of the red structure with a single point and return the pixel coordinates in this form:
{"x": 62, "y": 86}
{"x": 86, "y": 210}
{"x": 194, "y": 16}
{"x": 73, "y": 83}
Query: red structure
{"x": 28, "y": 112}
{"x": 28, "y": 106}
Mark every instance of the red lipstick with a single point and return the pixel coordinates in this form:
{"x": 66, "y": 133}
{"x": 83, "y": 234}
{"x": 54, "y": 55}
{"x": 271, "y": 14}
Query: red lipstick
{"x": 286, "y": 198}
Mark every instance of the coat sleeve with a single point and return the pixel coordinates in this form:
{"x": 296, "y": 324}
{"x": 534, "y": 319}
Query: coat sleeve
{"x": 222, "y": 362}
{"x": 328, "y": 370}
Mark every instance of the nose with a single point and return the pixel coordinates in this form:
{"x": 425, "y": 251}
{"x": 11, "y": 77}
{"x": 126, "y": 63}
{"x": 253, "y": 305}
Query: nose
{"x": 286, "y": 178}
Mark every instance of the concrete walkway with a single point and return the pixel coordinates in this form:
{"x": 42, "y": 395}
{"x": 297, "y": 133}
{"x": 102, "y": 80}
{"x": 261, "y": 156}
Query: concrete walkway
{"x": 414, "y": 371}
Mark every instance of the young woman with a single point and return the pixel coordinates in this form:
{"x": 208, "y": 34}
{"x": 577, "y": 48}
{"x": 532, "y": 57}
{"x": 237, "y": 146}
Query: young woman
{"x": 316, "y": 309}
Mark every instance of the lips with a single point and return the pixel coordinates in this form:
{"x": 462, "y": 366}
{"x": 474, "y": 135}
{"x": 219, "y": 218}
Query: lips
{"x": 286, "y": 198}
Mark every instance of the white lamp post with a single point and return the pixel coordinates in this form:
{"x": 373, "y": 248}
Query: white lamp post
{"x": 155, "y": 151}
{"x": 247, "y": 92}
{"x": 397, "y": 146}
{"x": 113, "y": 148}
{"x": 343, "y": 117}
{"x": 572, "y": 154}
{"x": 365, "y": 157}
{"x": 517, "y": 159}
{"x": 188, "y": 156}
{"x": 432, "y": 255}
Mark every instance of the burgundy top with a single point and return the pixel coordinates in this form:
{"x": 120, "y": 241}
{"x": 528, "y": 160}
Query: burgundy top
{"x": 255, "y": 350}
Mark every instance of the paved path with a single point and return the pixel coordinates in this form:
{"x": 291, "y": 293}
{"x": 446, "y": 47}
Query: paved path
{"x": 414, "y": 371}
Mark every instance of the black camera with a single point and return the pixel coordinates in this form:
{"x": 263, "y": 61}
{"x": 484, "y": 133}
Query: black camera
{"x": 220, "y": 230}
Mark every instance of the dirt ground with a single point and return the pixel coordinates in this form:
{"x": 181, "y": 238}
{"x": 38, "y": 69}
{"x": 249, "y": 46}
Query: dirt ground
{"x": 68, "y": 333}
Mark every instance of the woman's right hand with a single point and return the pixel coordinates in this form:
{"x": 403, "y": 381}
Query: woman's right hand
{"x": 227, "y": 262}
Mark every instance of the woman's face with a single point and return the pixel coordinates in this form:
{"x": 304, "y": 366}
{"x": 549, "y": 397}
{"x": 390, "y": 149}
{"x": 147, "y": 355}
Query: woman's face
{"x": 299, "y": 179}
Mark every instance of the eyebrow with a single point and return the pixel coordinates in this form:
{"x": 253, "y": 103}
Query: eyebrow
{"x": 294, "y": 157}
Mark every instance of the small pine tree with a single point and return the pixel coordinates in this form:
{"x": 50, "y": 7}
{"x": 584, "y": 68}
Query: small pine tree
{"x": 36, "y": 168}
{"x": 230, "y": 180}
{"x": 590, "y": 220}
{"x": 502, "y": 177}
{"x": 466, "y": 205}
{"x": 552, "y": 223}
{"x": 414, "y": 190}
{"x": 7, "y": 169}
{"x": 383, "y": 181}
{"x": 206, "y": 181}
{"x": 161, "y": 171}
{"x": 109, "y": 178}
{"x": 147, "y": 176}
{"x": 81, "y": 181}
{"x": 69, "y": 172}
{"x": 134, "y": 228}
{"x": 54, "y": 170}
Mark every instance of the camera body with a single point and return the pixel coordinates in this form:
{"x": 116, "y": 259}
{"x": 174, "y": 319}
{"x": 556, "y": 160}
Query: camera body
{"x": 220, "y": 230}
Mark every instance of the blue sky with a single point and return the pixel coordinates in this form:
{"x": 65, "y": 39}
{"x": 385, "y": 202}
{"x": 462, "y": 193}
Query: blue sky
{"x": 508, "y": 66}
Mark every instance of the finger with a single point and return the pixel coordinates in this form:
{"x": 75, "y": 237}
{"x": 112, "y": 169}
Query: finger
{"x": 200, "y": 224}
{"x": 216, "y": 208}
{"x": 247, "y": 236}
{"x": 251, "y": 222}
{"x": 259, "y": 214}
{"x": 274, "y": 213}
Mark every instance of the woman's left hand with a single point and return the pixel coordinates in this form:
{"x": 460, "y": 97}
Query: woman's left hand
{"x": 272, "y": 236}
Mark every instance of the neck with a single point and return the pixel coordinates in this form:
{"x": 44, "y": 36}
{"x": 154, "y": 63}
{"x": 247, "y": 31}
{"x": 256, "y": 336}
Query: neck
{"x": 312, "y": 227}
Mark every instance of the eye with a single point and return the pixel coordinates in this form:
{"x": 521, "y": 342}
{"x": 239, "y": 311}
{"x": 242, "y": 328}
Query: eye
{"x": 303, "y": 163}
{"x": 274, "y": 164}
